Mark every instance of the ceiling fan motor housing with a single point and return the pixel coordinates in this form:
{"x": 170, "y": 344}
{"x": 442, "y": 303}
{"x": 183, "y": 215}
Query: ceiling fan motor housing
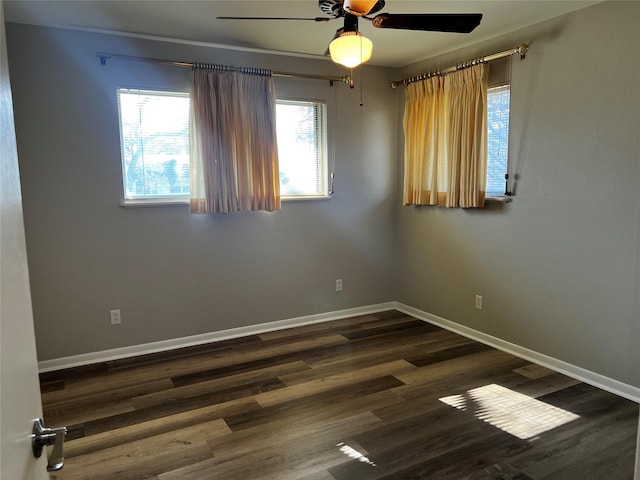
{"x": 335, "y": 8}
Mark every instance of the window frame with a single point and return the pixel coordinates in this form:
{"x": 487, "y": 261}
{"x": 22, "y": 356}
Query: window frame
{"x": 503, "y": 196}
{"x": 145, "y": 201}
{"x": 181, "y": 200}
{"x": 323, "y": 130}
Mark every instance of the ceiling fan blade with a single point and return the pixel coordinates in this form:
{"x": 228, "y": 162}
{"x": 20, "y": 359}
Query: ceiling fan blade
{"x": 316, "y": 19}
{"x": 430, "y": 22}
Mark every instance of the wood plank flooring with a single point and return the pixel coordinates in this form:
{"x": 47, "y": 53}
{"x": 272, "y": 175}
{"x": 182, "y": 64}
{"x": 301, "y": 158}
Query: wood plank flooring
{"x": 377, "y": 397}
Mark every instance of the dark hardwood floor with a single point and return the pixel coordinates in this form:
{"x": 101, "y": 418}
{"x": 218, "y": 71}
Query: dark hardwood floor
{"x": 380, "y": 396}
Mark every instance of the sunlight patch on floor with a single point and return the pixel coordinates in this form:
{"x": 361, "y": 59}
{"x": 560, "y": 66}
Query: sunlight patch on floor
{"x": 354, "y": 454}
{"x": 512, "y": 412}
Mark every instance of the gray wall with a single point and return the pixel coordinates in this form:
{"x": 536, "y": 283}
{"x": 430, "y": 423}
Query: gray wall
{"x": 173, "y": 274}
{"x": 558, "y": 267}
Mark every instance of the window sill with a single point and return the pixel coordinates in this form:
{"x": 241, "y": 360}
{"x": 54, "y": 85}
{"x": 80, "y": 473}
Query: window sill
{"x": 180, "y": 202}
{"x": 153, "y": 203}
{"x": 499, "y": 199}
{"x": 295, "y": 198}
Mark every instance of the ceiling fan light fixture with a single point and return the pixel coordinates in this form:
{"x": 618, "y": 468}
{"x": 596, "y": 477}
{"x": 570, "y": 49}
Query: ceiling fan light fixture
{"x": 350, "y": 49}
{"x": 358, "y": 7}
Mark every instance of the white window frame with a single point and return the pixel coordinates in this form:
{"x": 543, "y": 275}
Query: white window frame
{"x": 321, "y": 150}
{"x": 504, "y": 133}
{"x": 145, "y": 200}
{"x": 165, "y": 200}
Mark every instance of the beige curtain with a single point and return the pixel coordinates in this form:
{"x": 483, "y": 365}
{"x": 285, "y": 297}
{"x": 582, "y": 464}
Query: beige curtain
{"x": 445, "y": 156}
{"x": 234, "y": 157}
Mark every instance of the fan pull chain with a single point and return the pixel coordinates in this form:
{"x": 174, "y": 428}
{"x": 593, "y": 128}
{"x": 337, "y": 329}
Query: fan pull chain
{"x": 361, "y": 84}
{"x": 361, "y": 75}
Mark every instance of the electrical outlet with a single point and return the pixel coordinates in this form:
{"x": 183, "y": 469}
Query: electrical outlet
{"x": 116, "y": 319}
{"x": 339, "y": 285}
{"x": 478, "y": 302}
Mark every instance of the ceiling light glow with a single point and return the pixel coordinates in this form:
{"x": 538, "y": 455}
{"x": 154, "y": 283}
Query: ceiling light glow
{"x": 351, "y": 49}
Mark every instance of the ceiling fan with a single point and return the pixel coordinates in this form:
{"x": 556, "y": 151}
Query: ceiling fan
{"x": 350, "y": 48}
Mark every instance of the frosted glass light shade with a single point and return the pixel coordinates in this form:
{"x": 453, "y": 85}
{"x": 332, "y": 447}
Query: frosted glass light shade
{"x": 351, "y": 49}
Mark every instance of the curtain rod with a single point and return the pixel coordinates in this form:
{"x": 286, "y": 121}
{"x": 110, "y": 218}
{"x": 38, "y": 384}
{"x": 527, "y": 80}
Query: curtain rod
{"x": 106, "y": 56}
{"x": 521, "y": 49}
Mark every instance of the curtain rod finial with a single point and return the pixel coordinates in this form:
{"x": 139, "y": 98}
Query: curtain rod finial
{"x": 522, "y": 50}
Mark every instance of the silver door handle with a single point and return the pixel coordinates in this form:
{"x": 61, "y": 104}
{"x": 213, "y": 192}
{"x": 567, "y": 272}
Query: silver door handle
{"x": 42, "y": 436}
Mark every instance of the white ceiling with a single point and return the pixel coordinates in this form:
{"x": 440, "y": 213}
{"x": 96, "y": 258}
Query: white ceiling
{"x": 196, "y": 21}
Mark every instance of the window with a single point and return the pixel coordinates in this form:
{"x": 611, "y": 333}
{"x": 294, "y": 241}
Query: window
{"x": 497, "y": 139}
{"x": 302, "y": 148}
{"x": 154, "y": 138}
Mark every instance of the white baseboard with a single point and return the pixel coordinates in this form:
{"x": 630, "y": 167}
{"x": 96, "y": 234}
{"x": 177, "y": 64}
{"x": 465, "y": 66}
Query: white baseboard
{"x": 171, "y": 344}
{"x": 605, "y": 383}
{"x": 614, "y": 386}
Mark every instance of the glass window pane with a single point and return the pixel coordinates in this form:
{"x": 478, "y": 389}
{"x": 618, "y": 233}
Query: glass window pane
{"x": 497, "y": 139}
{"x": 154, "y": 130}
{"x": 302, "y": 148}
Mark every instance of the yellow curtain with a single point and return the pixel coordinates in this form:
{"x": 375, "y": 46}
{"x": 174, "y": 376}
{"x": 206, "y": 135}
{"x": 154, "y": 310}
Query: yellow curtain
{"x": 445, "y": 131}
{"x": 234, "y": 157}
